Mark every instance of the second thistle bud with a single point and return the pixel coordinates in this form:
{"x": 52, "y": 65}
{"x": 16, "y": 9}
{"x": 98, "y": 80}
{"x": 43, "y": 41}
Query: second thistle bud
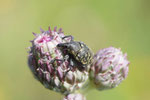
{"x": 109, "y": 69}
{"x": 77, "y": 96}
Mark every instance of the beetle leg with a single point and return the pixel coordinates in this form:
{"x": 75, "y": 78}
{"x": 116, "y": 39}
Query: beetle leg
{"x": 52, "y": 61}
{"x": 72, "y": 38}
{"x": 62, "y": 60}
{"x": 71, "y": 65}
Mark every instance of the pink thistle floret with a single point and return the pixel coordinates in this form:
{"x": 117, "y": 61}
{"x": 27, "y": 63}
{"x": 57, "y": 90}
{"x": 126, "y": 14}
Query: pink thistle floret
{"x": 54, "y": 75}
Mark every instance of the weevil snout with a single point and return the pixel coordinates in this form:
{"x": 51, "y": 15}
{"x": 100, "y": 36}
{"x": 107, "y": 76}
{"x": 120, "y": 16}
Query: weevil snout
{"x": 63, "y": 45}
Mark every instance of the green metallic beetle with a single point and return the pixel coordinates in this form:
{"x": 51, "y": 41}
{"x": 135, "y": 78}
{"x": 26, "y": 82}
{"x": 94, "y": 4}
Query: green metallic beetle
{"x": 77, "y": 52}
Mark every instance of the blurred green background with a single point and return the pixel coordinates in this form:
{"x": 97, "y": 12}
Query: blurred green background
{"x": 98, "y": 23}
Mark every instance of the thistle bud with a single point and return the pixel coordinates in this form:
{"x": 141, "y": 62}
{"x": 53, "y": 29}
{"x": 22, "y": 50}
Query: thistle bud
{"x": 109, "y": 68}
{"x": 54, "y": 74}
{"x": 74, "y": 97}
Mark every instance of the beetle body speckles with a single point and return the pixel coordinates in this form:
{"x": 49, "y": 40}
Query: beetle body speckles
{"x": 79, "y": 51}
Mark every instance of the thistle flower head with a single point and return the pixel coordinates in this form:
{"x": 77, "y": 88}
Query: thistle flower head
{"x": 54, "y": 74}
{"x": 74, "y": 97}
{"x": 109, "y": 68}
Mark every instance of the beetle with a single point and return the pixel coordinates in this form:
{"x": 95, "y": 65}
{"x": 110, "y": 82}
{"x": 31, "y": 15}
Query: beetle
{"x": 77, "y": 52}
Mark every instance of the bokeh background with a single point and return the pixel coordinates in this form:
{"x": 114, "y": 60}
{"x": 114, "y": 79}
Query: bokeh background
{"x": 98, "y": 23}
